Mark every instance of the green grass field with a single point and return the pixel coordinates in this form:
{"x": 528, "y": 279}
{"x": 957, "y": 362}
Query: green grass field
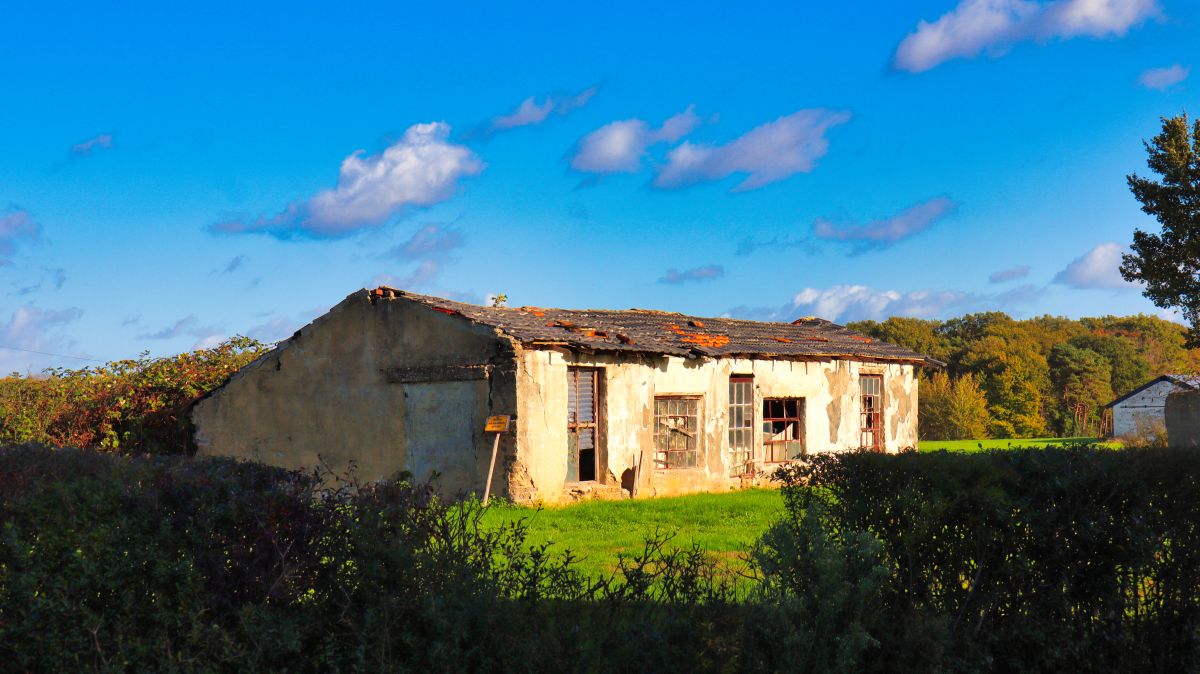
{"x": 724, "y": 524}
{"x": 976, "y": 445}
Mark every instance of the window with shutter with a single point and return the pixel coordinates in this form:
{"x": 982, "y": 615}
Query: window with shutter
{"x": 583, "y": 411}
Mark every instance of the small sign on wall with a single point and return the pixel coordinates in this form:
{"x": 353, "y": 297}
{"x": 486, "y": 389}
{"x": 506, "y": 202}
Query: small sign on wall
{"x": 497, "y": 424}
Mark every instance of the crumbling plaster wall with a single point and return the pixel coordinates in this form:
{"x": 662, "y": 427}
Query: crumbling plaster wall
{"x": 325, "y": 395}
{"x": 630, "y": 383}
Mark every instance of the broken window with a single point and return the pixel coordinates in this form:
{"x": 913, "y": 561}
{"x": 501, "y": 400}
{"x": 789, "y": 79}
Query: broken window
{"x": 741, "y": 423}
{"x": 582, "y": 413}
{"x": 871, "y": 389}
{"x": 676, "y": 432}
{"x": 783, "y": 429}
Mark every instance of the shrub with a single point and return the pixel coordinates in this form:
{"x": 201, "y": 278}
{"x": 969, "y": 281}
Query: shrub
{"x": 1021, "y": 560}
{"x": 953, "y": 409}
{"x": 120, "y": 563}
{"x": 135, "y": 405}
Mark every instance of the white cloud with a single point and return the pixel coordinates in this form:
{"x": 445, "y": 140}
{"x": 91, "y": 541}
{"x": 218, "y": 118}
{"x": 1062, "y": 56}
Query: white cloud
{"x": 531, "y": 112}
{"x": 429, "y": 241}
{"x": 207, "y": 336}
{"x": 1173, "y": 315}
{"x": 422, "y": 277}
{"x": 856, "y": 302}
{"x": 709, "y": 272}
{"x": 1164, "y": 78}
{"x": 768, "y": 153}
{"x": 33, "y": 337}
{"x": 844, "y": 303}
{"x": 420, "y": 169}
{"x": 618, "y": 147}
{"x": 273, "y": 330}
{"x": 1099, "y": 268}
{"x": 234, "y": 264}
{"x": 16, "y": 226}
{"x": 84, "y": 148}
{"x": 992, "y": 26}
{"x": 431, "y": 247}
{"x": 886, "y": 232}
{"x": 1010, "y": 274}
{"x": 54, "y": 277}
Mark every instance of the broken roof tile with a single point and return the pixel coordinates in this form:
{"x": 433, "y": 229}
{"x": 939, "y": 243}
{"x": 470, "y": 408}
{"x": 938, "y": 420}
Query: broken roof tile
{"x": 661, "y": 332}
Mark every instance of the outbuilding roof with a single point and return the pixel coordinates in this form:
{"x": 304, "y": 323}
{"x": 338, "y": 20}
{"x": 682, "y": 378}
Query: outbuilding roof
{"x": 1186, "y": 381}
{"x": 662, "y": 332}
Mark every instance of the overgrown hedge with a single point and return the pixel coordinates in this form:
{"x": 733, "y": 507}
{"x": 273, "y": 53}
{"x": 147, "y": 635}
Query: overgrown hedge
{"x": 1073, "y": 559}
{"x": 1024, "y": 560}
{"x": 134, "y": 406}
{"x": 117, "y": 563}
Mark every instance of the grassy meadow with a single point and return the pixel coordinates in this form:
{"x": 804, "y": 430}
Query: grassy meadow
{"x": 1005, "y": 443}
{"x": 724, "y": 524}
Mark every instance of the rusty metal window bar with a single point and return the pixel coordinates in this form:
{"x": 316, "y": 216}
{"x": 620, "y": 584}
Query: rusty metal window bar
{"x": 582, "y": 414}
{"x": 783, "y": 429}
{"x": 871, "y": 407}
{"x": 676, "y": 432}
{"x": 741, "y": 424}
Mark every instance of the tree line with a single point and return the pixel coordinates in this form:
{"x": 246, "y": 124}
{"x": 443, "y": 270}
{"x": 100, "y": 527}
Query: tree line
{"x": 1009, "y": 378}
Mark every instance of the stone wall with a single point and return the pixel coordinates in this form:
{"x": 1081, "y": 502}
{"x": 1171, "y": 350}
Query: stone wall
{"x": 382, "y": 385}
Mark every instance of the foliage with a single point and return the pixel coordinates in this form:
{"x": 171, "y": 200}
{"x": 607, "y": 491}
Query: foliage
{"x": 952, "y": 409}
{"x": 1169, "y": 262}
{"x": 1047, "y": 560}
{"x": 974, "y": 445}
{"x": 830, "y": 586}
{"x": 1081, "y": 378}
{"x": 134, "y": 405}
{"x": 1023, "y": 385}
{"x": 1067, "y": 559}
{"x": 160, "y": 563}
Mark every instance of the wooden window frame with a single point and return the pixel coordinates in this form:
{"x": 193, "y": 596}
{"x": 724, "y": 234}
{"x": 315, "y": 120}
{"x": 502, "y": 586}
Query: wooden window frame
{"x": 871, "y": 431}
{"x": 741, "y": 456}
{"x": 665, "y": 462}
{"x": 769, "y": 455}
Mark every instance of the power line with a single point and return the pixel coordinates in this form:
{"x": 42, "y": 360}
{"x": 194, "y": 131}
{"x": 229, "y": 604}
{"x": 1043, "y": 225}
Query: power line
{"x": 46, "y": 353}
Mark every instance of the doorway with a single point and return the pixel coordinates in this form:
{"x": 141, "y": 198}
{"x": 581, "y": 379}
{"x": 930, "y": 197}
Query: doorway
{"x": 583, "y": 413}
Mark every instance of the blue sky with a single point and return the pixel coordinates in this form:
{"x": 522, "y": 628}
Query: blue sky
{"x": 171, "y": 176}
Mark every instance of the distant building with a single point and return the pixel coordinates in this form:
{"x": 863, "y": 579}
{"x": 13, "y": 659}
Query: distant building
{"x": 1139, "y": 413}
{"x": 633, "y": 402}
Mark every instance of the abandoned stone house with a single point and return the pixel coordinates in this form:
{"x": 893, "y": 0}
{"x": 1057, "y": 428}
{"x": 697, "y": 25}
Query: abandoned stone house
{"x": 634, "y": 402}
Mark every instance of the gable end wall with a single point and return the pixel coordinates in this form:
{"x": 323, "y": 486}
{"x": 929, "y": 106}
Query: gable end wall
{"x": 324, "y": 396}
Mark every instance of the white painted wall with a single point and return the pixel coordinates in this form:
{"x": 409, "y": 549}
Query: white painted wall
{"x": 1142, "y": 410}
{"x": 630, "y": 384}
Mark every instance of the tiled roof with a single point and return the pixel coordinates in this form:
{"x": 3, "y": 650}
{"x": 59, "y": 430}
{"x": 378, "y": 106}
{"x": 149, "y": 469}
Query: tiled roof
{"x": 1188, "y": 381}
{"x": 1185, "y": 380}
{"x": 661, "y": 332}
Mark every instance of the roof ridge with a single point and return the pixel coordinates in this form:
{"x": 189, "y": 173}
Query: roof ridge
{"x": 668, "y": 332}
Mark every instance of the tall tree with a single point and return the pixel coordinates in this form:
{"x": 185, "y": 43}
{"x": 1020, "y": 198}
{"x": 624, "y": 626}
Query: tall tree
{"x": 1169, "y": 262}
{"x": 952, "y": 409}
{"x": 1129, "y": 369}
{"x": 1082, "y": 379}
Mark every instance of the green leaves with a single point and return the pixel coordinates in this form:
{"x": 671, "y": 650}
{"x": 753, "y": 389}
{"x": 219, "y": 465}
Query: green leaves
{"x": 1169, "y": 262}
{"x": 134, "y": 405}
{"x": 1017, "y": 560}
